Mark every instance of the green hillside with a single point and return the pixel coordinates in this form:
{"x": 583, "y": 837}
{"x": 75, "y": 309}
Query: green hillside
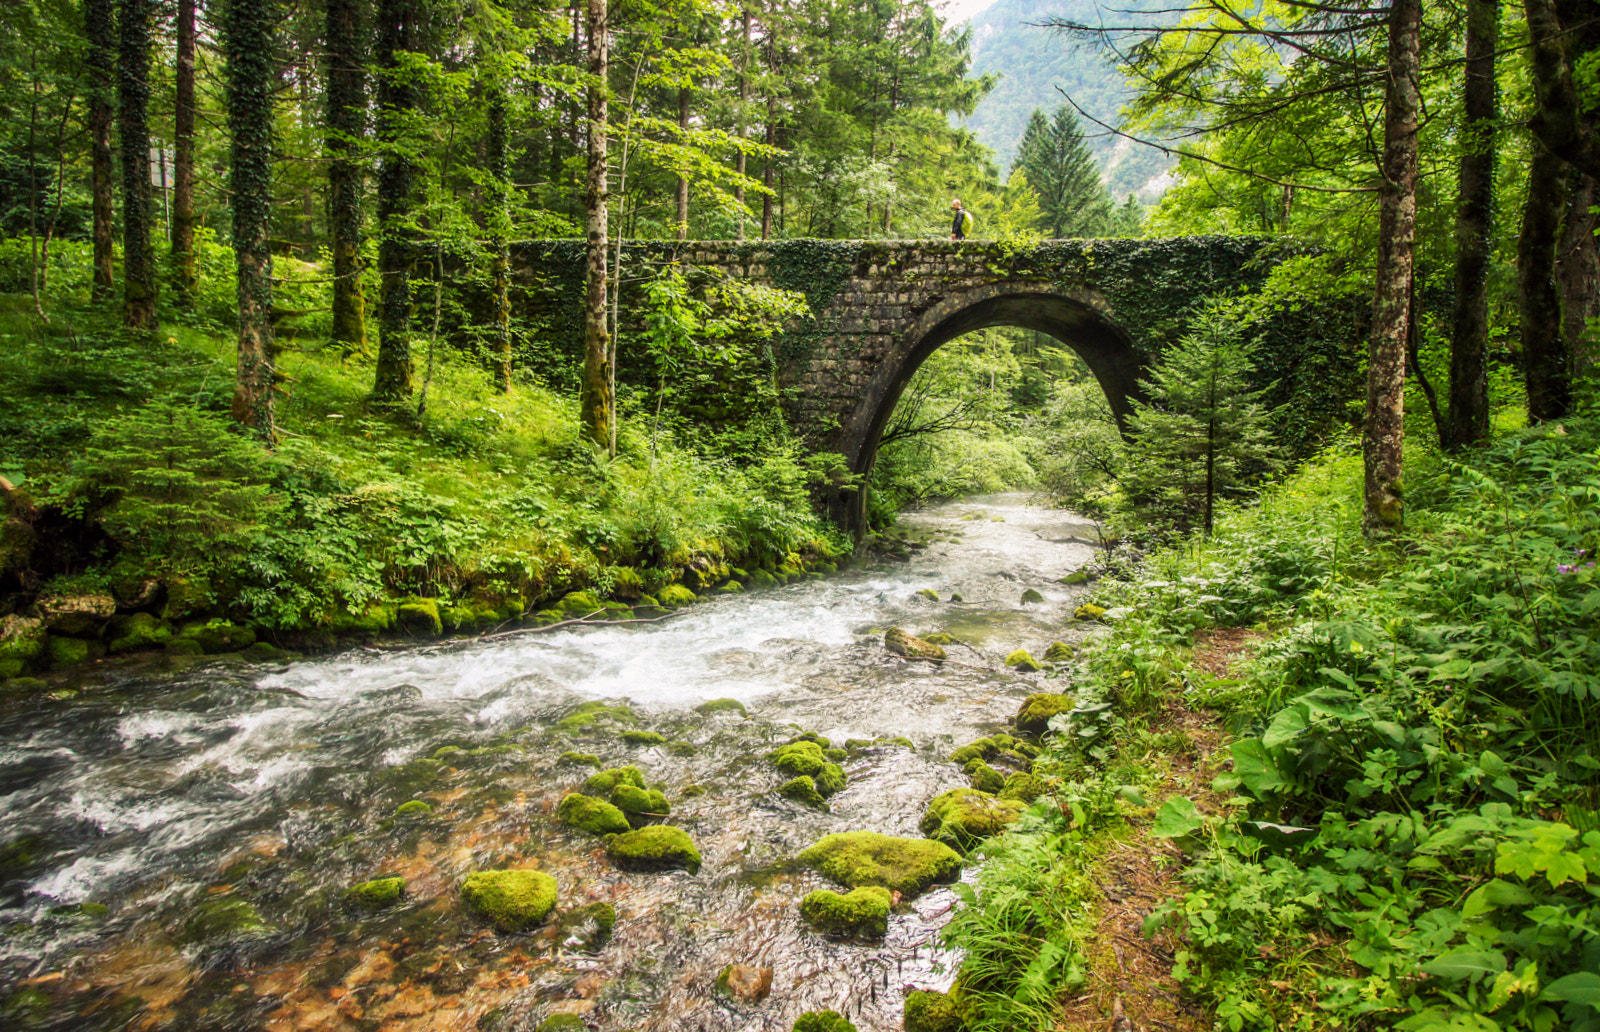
{"x": 1032, "y": 62}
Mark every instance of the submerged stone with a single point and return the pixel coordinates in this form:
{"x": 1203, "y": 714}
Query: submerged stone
{"x": 910, "y": 646}
{"x": 682, "y": 748}
{"x": 863, "y": 911}
{"x": 222, "y": 917}
{"x": 745, "y": 982}
{"x": 377, "y": 893}
{"x": 929, "y": 1011}
{"x": 906, "y": 866}
{"x": 587, "y": 927}
{"x": 1033, "y": 718}
{"x": 963, "y": 817}
{"x": 510, "y": 900}
{"x": 588, "y": 713}
{"x": 939, "y": 638}
{"x": 804, "y": 791}
{"x": 659, "y": 847}
{"x": 579, "y": 759}
{"x": 595, "y": 816}
{"x": 822, "y": 1021}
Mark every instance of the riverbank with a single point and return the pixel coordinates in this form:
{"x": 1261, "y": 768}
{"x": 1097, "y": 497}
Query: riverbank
{"x": 1402, "y": 823}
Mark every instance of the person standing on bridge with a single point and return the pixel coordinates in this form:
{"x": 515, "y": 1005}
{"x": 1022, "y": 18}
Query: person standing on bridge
{"x": 963, "y": 221}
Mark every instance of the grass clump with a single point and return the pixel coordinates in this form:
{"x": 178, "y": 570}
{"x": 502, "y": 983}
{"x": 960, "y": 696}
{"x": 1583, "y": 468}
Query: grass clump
{"x": 656, "y": 848}
{"x": 512, "y": 901}
{"x": 860, "y": 858}
{"x": 860, "y": 912}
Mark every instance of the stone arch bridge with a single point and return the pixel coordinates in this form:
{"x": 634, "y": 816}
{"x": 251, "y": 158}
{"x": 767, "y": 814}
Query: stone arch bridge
{"x": 882, "y": 307}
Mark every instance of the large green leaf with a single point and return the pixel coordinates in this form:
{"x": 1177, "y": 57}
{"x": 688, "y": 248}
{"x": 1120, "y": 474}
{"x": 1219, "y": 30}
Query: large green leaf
{"x": 1289, "y": 724}
{"x": 1177, "y": 818}
{"x": 1255, "y": 767}
{"x": 1466, "y": 964}
{"x": 1581, "y": 987}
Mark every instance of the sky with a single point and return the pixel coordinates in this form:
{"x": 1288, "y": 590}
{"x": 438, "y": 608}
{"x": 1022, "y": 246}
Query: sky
{"x": 958, "y": 11}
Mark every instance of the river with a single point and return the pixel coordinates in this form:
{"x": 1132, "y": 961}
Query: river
{"x": 174, "y": 847}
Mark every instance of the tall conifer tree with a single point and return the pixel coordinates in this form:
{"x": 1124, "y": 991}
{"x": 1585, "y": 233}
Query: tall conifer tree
{"x": 183, "y": 217}
{"x": 1059, "y": 167}
{"x": 397, "y": 97}
{"x": 99, "y": 18}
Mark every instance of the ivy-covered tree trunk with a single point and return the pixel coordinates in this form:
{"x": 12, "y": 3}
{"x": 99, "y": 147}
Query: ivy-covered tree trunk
{"x": 99, "y": 21}
{"x": 185, "y": 276}
{"x": 1544, "y": 349}
{"x": 1558, "y": 29}
{"x": 133, "y": 100}
{"x": 1578, "y": 273}
{"x": 1383, "y": 431}
{"x": 499, "y": 224}
{"x": 347, "y": 103}
{"x": 396, "y": 97}
{"x": 1468, "y": 420}
{"x": 247, "y": 39}
{"x": 595, "y": 396}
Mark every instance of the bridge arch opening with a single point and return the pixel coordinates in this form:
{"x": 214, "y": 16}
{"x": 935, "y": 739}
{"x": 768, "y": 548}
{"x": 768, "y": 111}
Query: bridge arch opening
{"x": 1077, "y": 322}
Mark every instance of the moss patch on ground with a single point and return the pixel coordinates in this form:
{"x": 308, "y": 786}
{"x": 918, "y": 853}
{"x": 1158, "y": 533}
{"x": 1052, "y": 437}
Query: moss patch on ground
{"x": 906, "y": 866}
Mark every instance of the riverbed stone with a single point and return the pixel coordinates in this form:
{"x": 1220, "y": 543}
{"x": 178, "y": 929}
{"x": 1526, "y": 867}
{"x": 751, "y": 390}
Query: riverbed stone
{"x": 863, "y": 912}
{"x": 595, "y": 816}
{"x": 587, "y": 927}
{"x": 1074, "y": 578}
{"x": 579, "y": 759}
{"x": 1031, "y": 597}
{"x": 803, "y": 790}
{"x": 377, "y": 893}
{"x": 658, "y": 847}
{"x": 1059, "y": 652}
{"x": 222, "y": 917}
{"x": 906, "y": 866}
{"x": 22, "y": 644}
{"x": 1033, "y": 718}
{"x": 929, "y": 1011}
{"x": 979, "y": 749}
{"x": 1024, "y": 787}
{"x": 822, "y": 1021}
{"x": 983, "y": 777}
{"x": 1022, "y": 662}
{"x": 512, "y": 900}
{"x": 830, "y": 779}
{"x": 590, "y": 713}
{"x": 963, "y": 817}
{"x": 746, "y": 982}
{"x": 930, "y": 594}
{"x": 413, "y": 808}
{"x": 910, "y": 646}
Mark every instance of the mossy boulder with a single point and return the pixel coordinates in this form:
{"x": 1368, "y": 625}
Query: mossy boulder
{"x": 732, "y": 587}
{"x": 830, "y": 779}
{"x": 682, "y": 748}
{"x": 596, "y": 816}
{"x": 928, "y": 1011}
{"x": 1033, "y": 718}
{"x": 796, "y": 758}
{"x": 222, "y": 917}
{"x": 983, "y": 777}
{"x": 606, "y": 782}
{"x": 587, "y": 927}
{"x": 374, "y": 619}
{"x": 377, "y": 893}
{"x": 722, "y": 706}
{"x": 963, "y": 817}
{"x": 863, "y": 912}
{"x": 1074, "y": 578}
{"x": 627, "y": 583}
{"x": 590, "y": 713}
{"x": 822, "y": 1021}
{"x": 77, "y": 614}
{"x": 981, "y": 749}
{"x": 658, "y": 847}
{"x": 1031, "y": 597}
{"x": 136, "y": 632}
{"x": 1022, "y": 662}
{"x": 22, "y": 644}
{"x": 512, "y": 901}
{"x": 643, "y": 738}
{"x": 218, "y": 636}
{"x": 1024, "y": 787}
{"x": 420, "y": 616}
{"x": 562, "y": 1023}
{"x": 803, "y": 790}
{"x": 674, "y": 595}
{"x": 414, "y": 808}
{"x": 929, "y": 593}
{"x": 579, "y": 759}
{"x": 906, "y": 866}
{"x": 65, "y": 652}
{"x": 578, "y": 604}
{"x": 263, "y": 652}
{"x": 758, "y": 579}
{"x": 939, "y": 638}
{"x": 910, "y": 646}
{"x": 1059, "y": 652}
{"x": 640, "y": 802}
{"x": 22, "y": 685}
{"x": 1088, "y": 611}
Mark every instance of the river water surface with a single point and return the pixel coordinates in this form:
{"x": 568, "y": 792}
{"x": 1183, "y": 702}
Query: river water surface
{"x": 174, "y": 847}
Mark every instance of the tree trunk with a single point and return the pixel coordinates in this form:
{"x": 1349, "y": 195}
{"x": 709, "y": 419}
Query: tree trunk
{"x": 397, "y": 29}
{"x": 347, "y": 103}
{"x": 683, "y": 181}
{"x": 744, "y": 105}
{"x": 1544, "y": 350}
{"x": 595, "y": 396}
{"x": 247, "y": 36}
{"x": 499, "y": 218}
{"x": 1384, "y": 430}
{"x": 99, "y": 21}
{"x": 1468, "y": 420}
{"x": 133, "y": 97}
{"x": 185, "y": 276}
{"x": 766, "y": 172}
{"x": 1578, "y": 273}
{"x": 1558, "y": 116}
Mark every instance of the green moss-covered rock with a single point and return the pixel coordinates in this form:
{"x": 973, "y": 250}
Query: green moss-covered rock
{"x": 65, "y": 652}
{"x": 722, "y": 706}
{"x": 682, "y": 748}
{"x": 836, "y": 755}
{"x": 963, "y": 817}
{"x": 374, "y": 619}
{"x": 1075, "y": 577}
{"x": 1022, "y": 662}
{"x": 803, "y": 790}
{"x": 578, "y": 604}
{"x": 643, "y": 738}
{"x": 694, "y": 791}
{"x": 137, "y": 632}
{"x": 822, "y": 1021}
{"x": 605, "y": 782}
{"x": 627, "y": 583}
{"x": 830, "y": 779}
{"x": 981, "y": 749}
{"x": 674, "y": 595}
{"x": 562, "y": 1023}
{"x": 579, "y": 759}
{"x": 265, "y": 652}
{"x": 863, "y": 911}
{"x": 758, "y": 579}
{"x": 222, "y": 917}
{"x": 1088, "y": 611}
{"x": 1024, "y": 787}
{"x": 928, "y": 1011}
{"x": 929, "y": 593}
{"x": 910, "y": 646}
{"x": 420, "y": 616}
{"x": 587, "y": 927}
{"x": 22, "y": 685}
{"x": 596, "y": 816}
{"x": 658, "y": 847}
{"x": 1059, "y": 652}
{"x": 1031, "y": 597}
{"x": 640, "y": 802}
{"x": 377, "y": 893}
{"x": 184, "y": 647}
{"x": 796, "y": 758}
{"x": 939, "y": 638}
{"x": 510, "y": 900}
{"x": 732, "y": 587}
{"x": 1033, "y": 718}
{"x": 218, "y": 636}
{"x": 22, "y": 644}
{"x": 983, "y": 777}
{"x": 588, "y": 714}
{"x": 414, "y": 808}
{"x": 906, "y": 866}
